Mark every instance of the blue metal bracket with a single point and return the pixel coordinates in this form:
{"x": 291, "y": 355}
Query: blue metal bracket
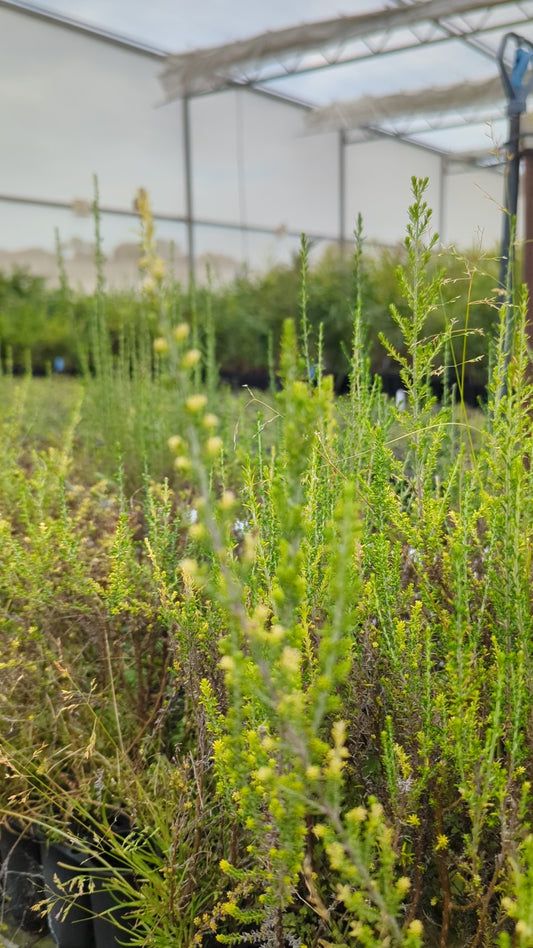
{"x": 516, "y": 83}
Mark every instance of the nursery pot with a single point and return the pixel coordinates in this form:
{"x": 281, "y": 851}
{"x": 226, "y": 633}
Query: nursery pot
{"x": 65, "y": 873}
{"x": 109, "y": 912}
{"x": 22, "y": 876}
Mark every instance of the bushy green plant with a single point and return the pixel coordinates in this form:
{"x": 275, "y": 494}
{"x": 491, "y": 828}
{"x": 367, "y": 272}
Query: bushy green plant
{"x": 290, "y": 635}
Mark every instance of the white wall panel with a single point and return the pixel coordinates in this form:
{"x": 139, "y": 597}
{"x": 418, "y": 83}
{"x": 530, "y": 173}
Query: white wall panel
{"x": 72, "y": 106}
{"x": 378, "y": 177}
{"x": 473, "y": 209}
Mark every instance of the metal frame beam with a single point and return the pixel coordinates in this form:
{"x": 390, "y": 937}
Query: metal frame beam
{"x": 39, "y": 13}
{"x": 212, "y": 68}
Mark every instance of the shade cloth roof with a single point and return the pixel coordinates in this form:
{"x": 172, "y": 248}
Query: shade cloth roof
{"x": 432, "y": 40}
{"x": 421, "y": 70}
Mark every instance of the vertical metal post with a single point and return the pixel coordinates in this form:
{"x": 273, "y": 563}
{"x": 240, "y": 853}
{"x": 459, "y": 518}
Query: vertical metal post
{"x": 517, "y": 83}
{"x": 342, "y": 189}
{"x": 527, "y": 155}
{"x": 189, "y": 211}
{"x": 442, "y": 198}
{"x": 512, "y": 177}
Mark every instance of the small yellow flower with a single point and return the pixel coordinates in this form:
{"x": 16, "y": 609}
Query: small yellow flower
{"x": 403, "y": 884}
{"x": 175, "y": 442}
{"x": 182, "y": 462}
{"x": 227, "y": 663}
{"x": 191, "y": 358}
{"x": 416, "y": 927}
{"x": 228, "y": 500}
{"x": 197, "y": 531}
{"x": 442, "y": 842}
{"x": 224, "y": 865}
{"x": 160, "y": 345}
{"x": 189, "y": 569}
{"x": 357, "y": 815}
{"x": 210, "y": 420}
{"x": 158, "y": 268}
{"x": 290, "y": 659}
{"x": 228, "y": 908}
{"x": 148, "y": 285}
{"x": 277, "y": 633}
{"x": 335, "y": 852}
{"x": 213, "y": 446}
{"x": 181, "y": 331}
{"x": 196, "y": 403}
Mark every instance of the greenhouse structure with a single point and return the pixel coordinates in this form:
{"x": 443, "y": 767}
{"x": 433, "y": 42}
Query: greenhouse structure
{"x": 243, "y": 146}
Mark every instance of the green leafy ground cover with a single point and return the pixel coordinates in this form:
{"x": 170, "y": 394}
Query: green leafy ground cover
{"x": 288, "y": 635}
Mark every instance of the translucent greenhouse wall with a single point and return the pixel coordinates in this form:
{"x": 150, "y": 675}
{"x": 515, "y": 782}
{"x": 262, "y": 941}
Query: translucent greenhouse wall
{"x": 73, "y": 105}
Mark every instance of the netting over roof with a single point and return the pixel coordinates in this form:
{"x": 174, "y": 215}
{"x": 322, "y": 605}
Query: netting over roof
{"x": 384, "y": 71}
{"x": 419, "y": 70}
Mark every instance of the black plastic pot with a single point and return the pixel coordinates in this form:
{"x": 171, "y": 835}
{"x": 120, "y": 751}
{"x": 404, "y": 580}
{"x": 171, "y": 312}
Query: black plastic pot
{"x": 109, "y": 912}
{"x": 22, "y": 876}
{"x": 107, "y": 901}
{"x": 65, "y": 873}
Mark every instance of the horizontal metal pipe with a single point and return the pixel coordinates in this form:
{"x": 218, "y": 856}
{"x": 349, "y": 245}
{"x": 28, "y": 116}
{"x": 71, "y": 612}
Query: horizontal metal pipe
{"x": 173, "y": 218}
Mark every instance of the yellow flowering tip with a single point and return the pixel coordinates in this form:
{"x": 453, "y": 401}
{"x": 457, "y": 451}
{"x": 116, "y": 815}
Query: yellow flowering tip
{"x": 213, "y": 446}
{"x": 268, "y": 743}
{"x": 290, "y": 659}
{"x": 228, "y": 500}
{"x": 196, "y": 403}
{"x": 522, "y": 928}
{"x": 197, "y": 531}
{"x": 442, "y": 842}
{"x": 182, "y": 462}
{"x": 357, "y": 815}
{"x": 403, "y": 884}
{"x": 508, "y": 904}
{"x": 210, "y": 420}
{"x": 338, "y": 733}
{"x": 227, "y": 663}
{"x": 191, "y": 358}
{"x": 336, "y": 855}
{"x": 160, "y": 345}
{"x": 148, "y": 285}
{"x": 415, "y": 927}
{"x": 181, "y": 332}
{"x": 376, "y": 811}
{"x": 188, "y": 568}
{"x": 312, "y": 772}
{"x": 264, "y": 774}
{"x": 157, "y": 268}
{"x": 175, "y": 442}
{"x": 228, "y": 908}
{"x": 319, "y": 830}
{"x": 277, "y": 633}
{"x": 224, "y": 865}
